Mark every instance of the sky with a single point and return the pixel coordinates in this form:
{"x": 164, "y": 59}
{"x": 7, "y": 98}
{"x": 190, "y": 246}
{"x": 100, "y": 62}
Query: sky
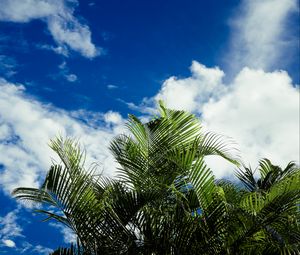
{"x": 78, "y": 68}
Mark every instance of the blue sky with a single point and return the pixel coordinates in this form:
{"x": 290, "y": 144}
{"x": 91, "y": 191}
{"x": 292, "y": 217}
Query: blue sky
{"x": 78, "y": 68}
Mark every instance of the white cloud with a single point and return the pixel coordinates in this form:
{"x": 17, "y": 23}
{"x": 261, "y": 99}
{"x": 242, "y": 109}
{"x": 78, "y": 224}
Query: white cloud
{"x": 9, "y": 228}
{"x": 113, "y": 118}
{"x": 71, "y": 77}
{"x": 9, "y": 243}
{"x": 68, "y": 235}
{"x": 78, "y": 37}
{"x": 61, "y": 50}
{"x": 11, "y": 235}
{"x": 7, "y": 66}
{"x": 187, "y": 93}
{"x": 26, "y": 127}
{"x": 63, "y": 65}
{"x": 261, "y": 112}
{"x": 260, "y": 34}
{"x": 190, "y": 93}
{"x": 58, "y": 14}
{"x": 114, "y": 121}
{"x": 112, "y": 86}
{"x": 65, "y": 73}
{"x": 26, "y": 10}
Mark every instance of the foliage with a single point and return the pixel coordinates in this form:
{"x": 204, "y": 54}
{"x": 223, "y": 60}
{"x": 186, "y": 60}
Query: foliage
{"x": 165, "y": 200}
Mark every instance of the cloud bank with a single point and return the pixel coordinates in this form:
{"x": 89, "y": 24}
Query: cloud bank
{"x": 26, "y": 126}
{"x": 65, "y": 29}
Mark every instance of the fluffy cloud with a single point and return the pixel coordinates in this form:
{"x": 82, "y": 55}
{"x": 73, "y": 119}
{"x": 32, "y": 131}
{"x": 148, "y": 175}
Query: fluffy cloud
{"x": 261, "y": 112}
{"x": 190, "y": 93}
{"x": 71, "y": 77}
{"x": 9, "y": 243}
{"x": 26, "y": 126}
{"x": 260, "y": 35}
{"x": 113, "y": 118}
{"x": 58, "y": 15}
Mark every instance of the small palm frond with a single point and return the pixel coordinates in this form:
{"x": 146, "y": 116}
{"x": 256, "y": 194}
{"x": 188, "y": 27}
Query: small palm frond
{"x": 215, "y": 144}
{"x": 233, "y": 193}
{"x": 203, "y": 182}
{"x": 70, "y": 153}
{"x": 246, "y": 176}
{"x": 265, "y": 167}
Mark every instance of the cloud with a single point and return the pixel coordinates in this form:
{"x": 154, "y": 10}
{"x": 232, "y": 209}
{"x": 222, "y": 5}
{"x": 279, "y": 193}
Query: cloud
{"x": 261, "y": 34}
{"x": 9, "y": 228}
{"x": 65, "y": 73}
{"x": 9, "y": 243}
{"x": 61, "y": 50}
{"x": 68, "y": 235}
{"x": 112, "y": 86}
{"x": 7, "y": 66}
{"x": 113, "y": 118}
{"x": 190, "y": 93}
{"x": 114, "y": 121}
{"x": 261, "y": 112}
{"x": 71, "y": 77}
{"x": 59, "y": 17}
{"x": 186, "y": 93}
{"x": 27, "y": 125}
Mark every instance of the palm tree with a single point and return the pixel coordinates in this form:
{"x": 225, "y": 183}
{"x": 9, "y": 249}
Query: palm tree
{"x": 165, "y": 199}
